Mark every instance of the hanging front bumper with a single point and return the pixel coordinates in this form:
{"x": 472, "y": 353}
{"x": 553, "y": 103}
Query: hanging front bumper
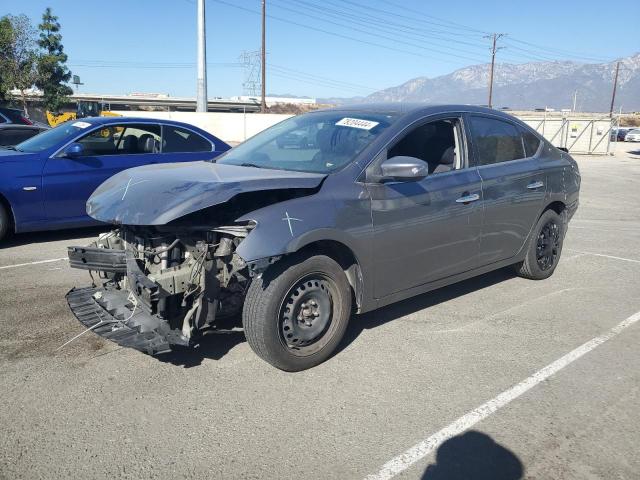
{"x": 110, "y": 314}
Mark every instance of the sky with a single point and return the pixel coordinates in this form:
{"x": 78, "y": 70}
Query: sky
{"x": 321, "y": 48}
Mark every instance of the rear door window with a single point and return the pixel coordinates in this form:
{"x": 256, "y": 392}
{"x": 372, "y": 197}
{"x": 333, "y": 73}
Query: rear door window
{"x": 128, "y": 139}
{"x": 138, "y": 139}
{"x": 495, "y": 140}
{"x": 180, "y": 140}
{"x": 531, "y": 142}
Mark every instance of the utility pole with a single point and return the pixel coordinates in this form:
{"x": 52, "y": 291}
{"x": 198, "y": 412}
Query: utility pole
{"x": 263, "y": 105}
{"x": 201, "y": 97}
{"x": 495, "y": 38}
{"x": 575, "y": 98}
{"x": 615, "y": 86}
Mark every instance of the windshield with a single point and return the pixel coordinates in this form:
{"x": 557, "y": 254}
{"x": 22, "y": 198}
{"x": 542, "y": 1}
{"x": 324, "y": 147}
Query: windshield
{"x": 51, "y": 138}
{"x": 315, "y": 142}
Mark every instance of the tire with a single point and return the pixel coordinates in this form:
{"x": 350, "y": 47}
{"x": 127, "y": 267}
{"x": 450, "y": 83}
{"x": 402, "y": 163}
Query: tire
{"x": 544, "y": 249}
{"x": 5, "y": 222}
{"x": 296, "y": 313}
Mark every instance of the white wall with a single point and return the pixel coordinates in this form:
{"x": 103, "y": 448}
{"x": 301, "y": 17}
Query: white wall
{"x": 231, "y": 127}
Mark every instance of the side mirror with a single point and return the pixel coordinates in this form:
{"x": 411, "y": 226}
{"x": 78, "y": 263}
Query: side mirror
{"x": 74, "y": 150}
{"x": 402, "y": 169}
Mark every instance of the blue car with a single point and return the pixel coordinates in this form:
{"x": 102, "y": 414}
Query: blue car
{"x": 45, "y": 181}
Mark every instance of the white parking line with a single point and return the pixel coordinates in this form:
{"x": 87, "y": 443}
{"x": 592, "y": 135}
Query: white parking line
{"x": 605, "y": 256}
{"x": 33, "y": 263}
{"x": 428, "y": 445}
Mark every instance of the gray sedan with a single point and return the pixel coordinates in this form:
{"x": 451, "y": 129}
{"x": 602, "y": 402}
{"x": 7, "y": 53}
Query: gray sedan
{"x": 384, "y": 203}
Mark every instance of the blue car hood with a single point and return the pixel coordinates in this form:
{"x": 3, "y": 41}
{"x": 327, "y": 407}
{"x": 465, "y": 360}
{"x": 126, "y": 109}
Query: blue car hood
{"x": 8, "y": 155}
{"x": 158, "y": 194}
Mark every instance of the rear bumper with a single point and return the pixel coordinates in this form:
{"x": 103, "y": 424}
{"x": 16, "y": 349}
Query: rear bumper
{"x": 110, "y": 314}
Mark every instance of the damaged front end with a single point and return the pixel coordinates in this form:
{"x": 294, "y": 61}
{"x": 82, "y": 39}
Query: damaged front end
{"x": 154, "y": 289}
{"x": 171, "y": 270}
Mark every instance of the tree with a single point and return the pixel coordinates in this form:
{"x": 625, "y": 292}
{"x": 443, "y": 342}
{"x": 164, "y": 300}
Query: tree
{"x": 18, "y": 55}
{"x": 52, "y": 70}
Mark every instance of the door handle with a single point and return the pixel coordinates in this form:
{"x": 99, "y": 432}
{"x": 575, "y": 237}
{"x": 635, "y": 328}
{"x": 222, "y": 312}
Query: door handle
{"x": 468, "y": 198}
{"x": 535, "y": 185}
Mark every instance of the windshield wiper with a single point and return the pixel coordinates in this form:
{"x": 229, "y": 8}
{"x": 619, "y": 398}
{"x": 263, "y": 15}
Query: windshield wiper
{"x": 11, "y": 147}
{"x": 250, "y": 165}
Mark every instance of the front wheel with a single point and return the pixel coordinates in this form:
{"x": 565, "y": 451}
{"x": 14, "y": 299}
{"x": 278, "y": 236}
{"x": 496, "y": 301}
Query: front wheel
{"x": 545, "y": 246}
{"x": 295, "y": 315}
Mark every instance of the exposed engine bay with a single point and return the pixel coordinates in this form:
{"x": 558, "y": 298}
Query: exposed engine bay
{"x": 153, "y": 289}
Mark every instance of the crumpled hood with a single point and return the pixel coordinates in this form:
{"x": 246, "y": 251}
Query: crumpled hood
{"x": 158, "y": 194}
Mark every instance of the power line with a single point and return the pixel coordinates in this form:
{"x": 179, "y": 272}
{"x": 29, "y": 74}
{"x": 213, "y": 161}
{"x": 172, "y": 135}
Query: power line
{"x": 558, "y": 51}
{"x": 420, "y": 26}
{"x": 395, "y": 39}
{"x": 422, "y": 14}
{"x": 316, "y": 78}
{"x": 138, "y": 64}
{"x": 336, "y": 34}
{"x": 387, "y": 26}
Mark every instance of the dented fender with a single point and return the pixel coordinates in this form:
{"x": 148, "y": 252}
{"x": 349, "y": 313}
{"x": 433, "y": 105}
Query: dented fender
{"x": 289, "y": 226}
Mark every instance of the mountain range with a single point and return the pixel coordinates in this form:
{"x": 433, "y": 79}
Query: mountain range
{"x": 523, "y": 86}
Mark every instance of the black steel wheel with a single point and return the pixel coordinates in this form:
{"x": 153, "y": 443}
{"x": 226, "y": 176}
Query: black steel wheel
{"x": 295, "y": 315}
{"x": 306, "y": 314}
{"x": 544, "y": 248}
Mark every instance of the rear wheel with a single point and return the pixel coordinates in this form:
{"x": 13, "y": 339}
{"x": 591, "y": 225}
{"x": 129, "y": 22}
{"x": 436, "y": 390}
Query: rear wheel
{"x": 295, "y": 315}
{"x": 545, "y": 246}
{"x": 5, "y": 222}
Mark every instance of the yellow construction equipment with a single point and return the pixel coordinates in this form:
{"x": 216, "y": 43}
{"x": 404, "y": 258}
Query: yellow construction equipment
{"x": 84, "y": 109}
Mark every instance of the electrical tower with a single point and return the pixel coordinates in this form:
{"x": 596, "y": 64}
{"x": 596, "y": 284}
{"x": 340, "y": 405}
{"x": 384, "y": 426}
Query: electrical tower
{"x": 251, "y": 66}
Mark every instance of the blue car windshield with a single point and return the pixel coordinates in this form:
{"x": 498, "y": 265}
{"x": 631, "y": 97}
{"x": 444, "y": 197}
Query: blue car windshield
{"x": 320, "y": 142}
{"x": 51, "y": 138}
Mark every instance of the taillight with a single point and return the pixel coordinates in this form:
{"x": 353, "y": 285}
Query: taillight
{"x": 25, "y": 120}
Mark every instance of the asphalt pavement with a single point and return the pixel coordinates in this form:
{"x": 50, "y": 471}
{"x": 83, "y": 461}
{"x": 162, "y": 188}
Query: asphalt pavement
{"x": 494, "y": 378}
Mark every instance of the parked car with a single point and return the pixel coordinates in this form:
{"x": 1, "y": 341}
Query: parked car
{"x": 394, "y": 201}
{"x": 45, "y": 181}
{"x": 13, "y": 115}
{"x": 619, "y": 134}
{"x": 12, "y": 134}
{"x": 633, "y": 135}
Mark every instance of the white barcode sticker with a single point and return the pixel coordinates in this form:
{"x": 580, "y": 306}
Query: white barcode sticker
{"x": 81, "y": 124}
{"x": 357, "y": 123}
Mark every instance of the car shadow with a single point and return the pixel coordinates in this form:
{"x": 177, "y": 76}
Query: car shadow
{"x": 406, "y": 307}
{"x": 19, "y": 239}
{"x": 215, "y": 344}
{"x": 474, "y": 455}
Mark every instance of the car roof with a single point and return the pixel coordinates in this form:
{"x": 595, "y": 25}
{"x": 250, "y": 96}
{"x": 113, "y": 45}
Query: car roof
{"x": 109, "y": 120}
{"x": 405, "y": 108}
